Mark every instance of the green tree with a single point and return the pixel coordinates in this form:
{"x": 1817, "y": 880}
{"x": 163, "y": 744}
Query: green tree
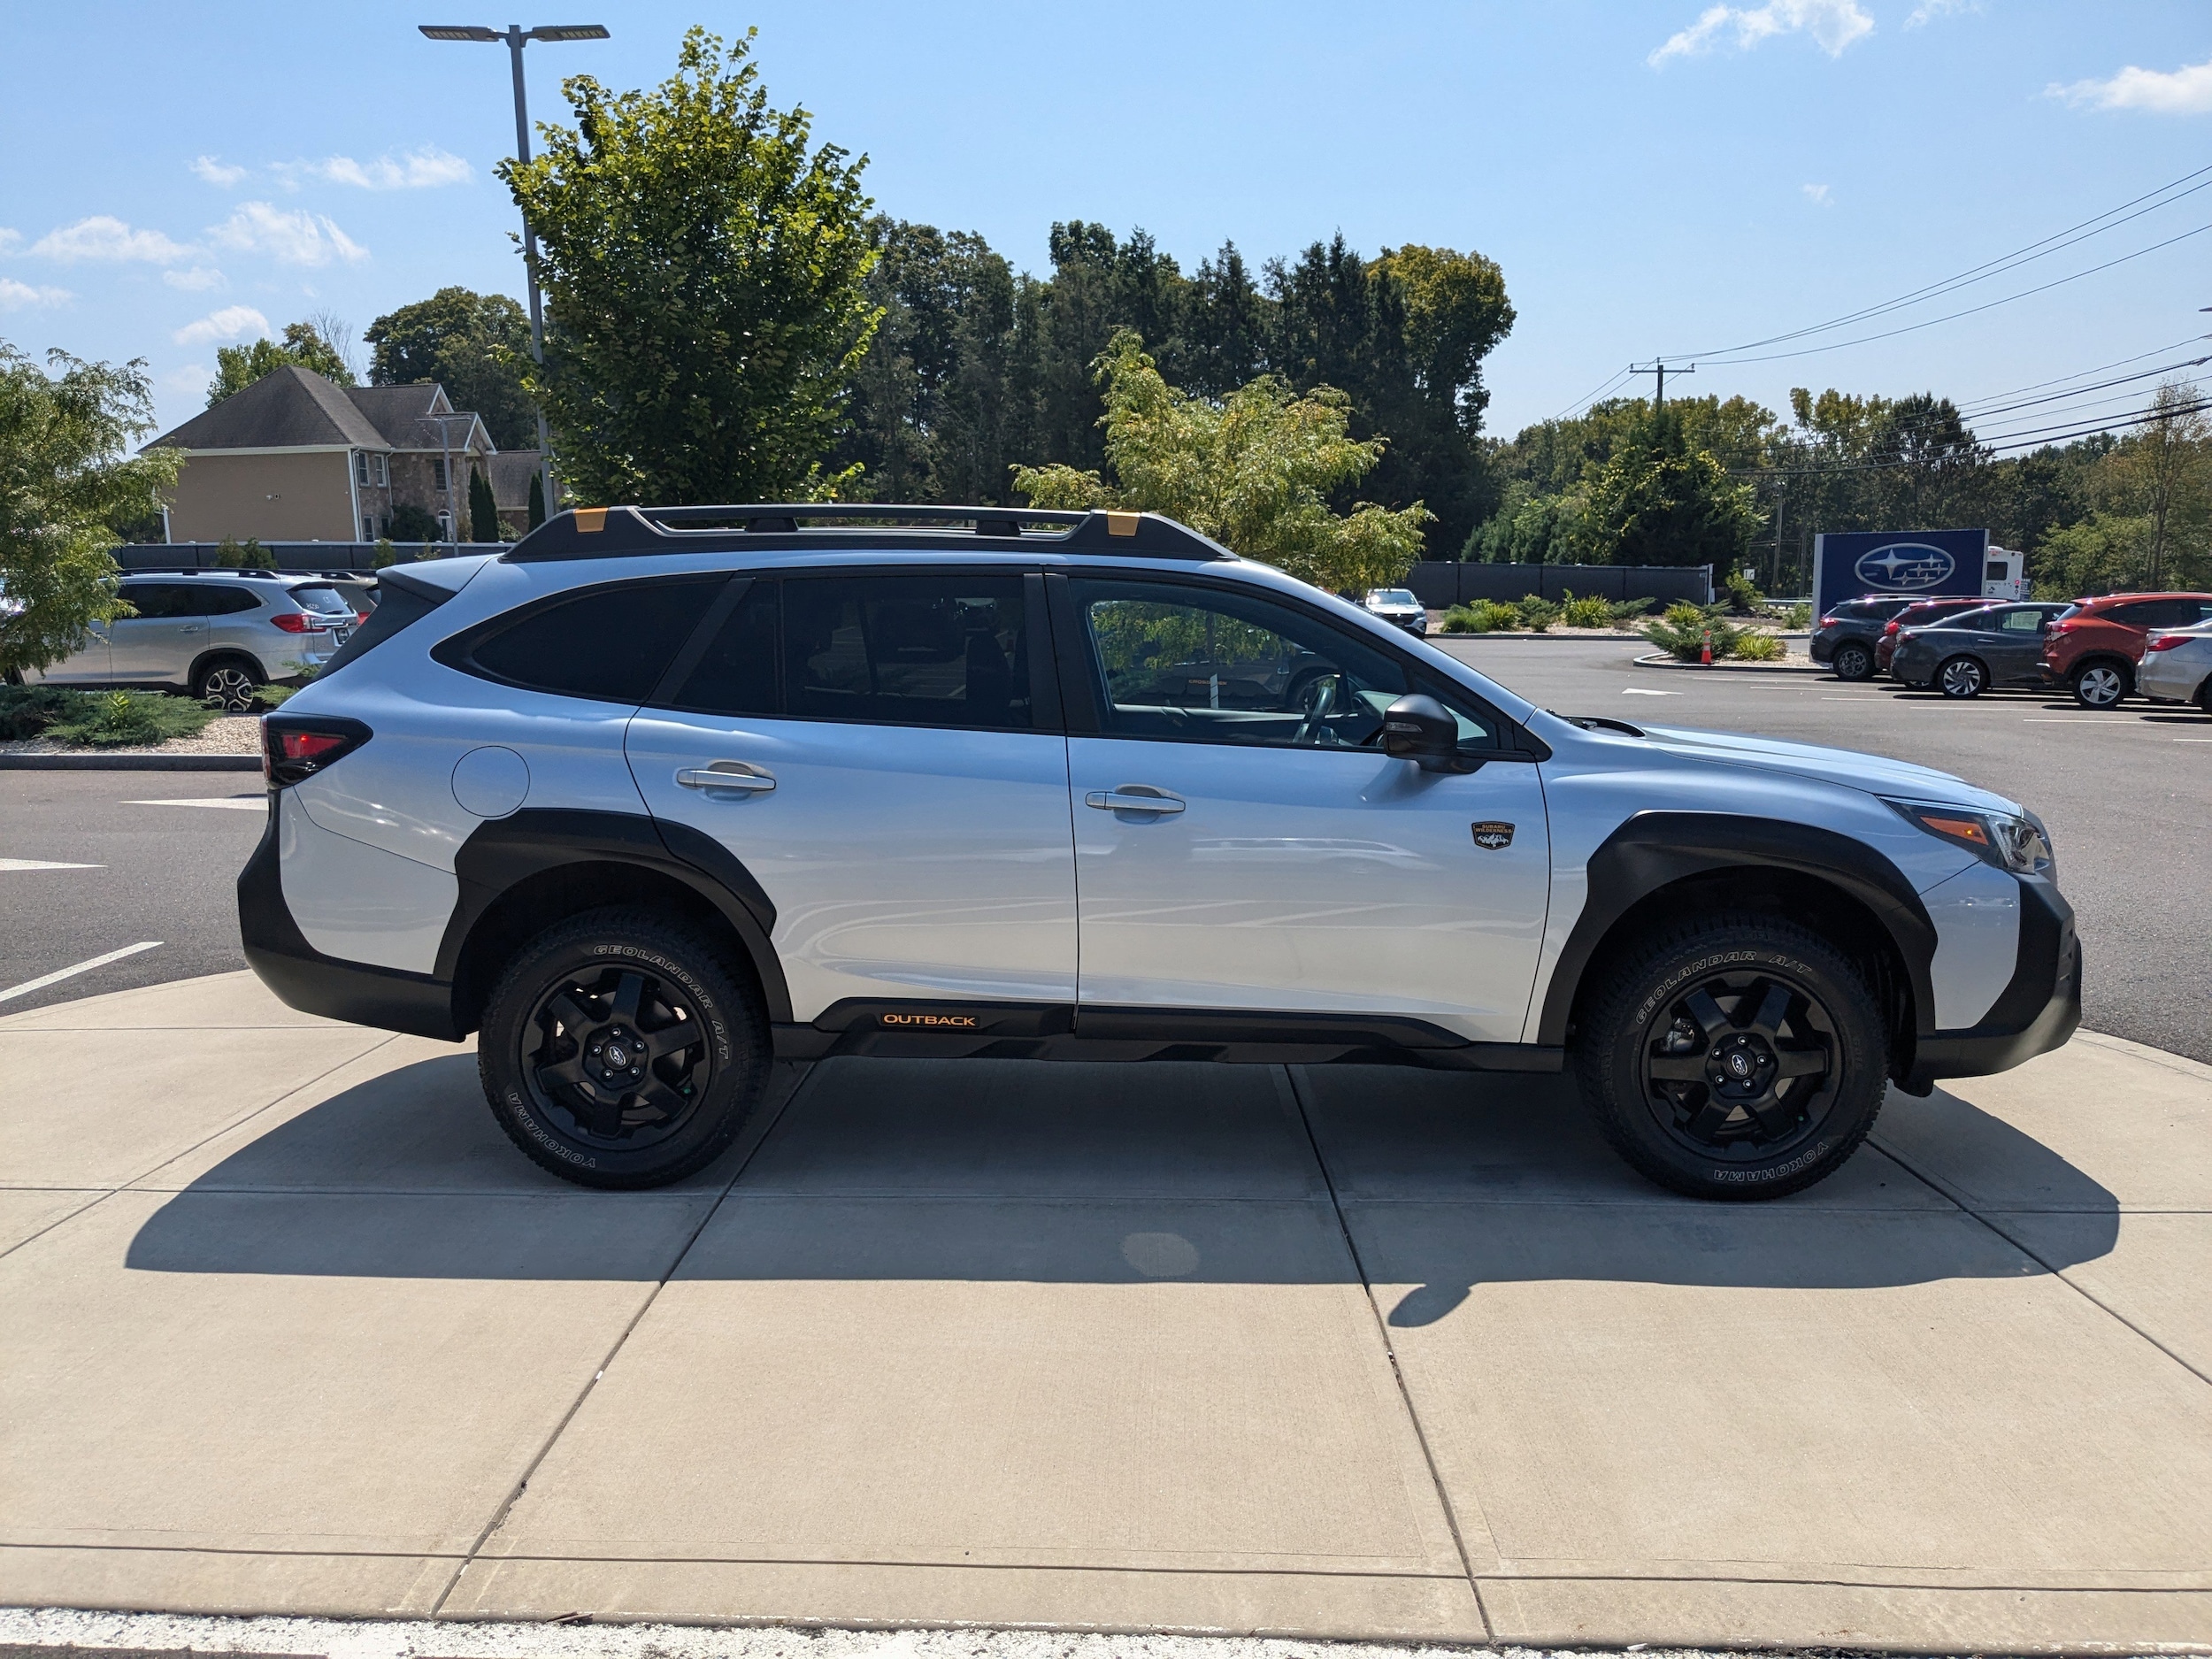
{"x": 1252, "y": 471}
{"x": 65, "y": 482}
{"x": 304, "y": 346}
{"x": 483, "y": 508}
{"x": 704, "y": 273}
{"x": 474, "y": 345}
{"x": 1658, "y": 501}
{"x": 537, "y": 499}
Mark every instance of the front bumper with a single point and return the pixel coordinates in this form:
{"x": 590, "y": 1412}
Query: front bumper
{"x": 2038, "y": 1010}
{"x": 305, "y": 979}
{"x": 1823, "y": 647}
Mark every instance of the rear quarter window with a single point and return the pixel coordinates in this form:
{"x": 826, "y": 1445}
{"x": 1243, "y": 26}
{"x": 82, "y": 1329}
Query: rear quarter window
{"x": 610, "y": 643}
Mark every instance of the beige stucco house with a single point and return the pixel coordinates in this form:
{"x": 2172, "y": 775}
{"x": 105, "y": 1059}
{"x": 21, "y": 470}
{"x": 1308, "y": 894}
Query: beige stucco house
{"x": 295, "y": 457}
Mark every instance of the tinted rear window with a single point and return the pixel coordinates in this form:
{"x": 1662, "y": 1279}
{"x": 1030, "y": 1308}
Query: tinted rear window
{"x": 328, "y": 601}
{"x": 611, "y": 644}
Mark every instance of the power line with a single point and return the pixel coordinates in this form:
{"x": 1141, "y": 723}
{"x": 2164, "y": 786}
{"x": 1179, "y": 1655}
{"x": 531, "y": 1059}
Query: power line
{"x": 2037, "y": 386}
{"x": 1591, "y": 397}
{"x": 2052, "y": 244}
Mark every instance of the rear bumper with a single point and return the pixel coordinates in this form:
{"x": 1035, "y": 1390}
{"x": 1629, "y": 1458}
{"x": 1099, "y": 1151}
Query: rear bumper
{"x": 303, "y": 978}
{"x": 2037, "y": 1011}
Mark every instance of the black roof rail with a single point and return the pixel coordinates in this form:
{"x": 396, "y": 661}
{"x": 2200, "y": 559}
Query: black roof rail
{"x": 591, "y": 533}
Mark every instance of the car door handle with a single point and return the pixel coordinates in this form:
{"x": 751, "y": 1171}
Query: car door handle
{"x": 735, "y": 777}
{"x": 190, "y": 628}
{"x": 1134, "y": 797}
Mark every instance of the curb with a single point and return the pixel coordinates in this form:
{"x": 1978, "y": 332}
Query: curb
{"x": 130, "y": 762}
{"x": 1660, "y": 659}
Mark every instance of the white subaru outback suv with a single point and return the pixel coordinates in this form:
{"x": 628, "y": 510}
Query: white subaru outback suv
{"x": 656, "y": 795}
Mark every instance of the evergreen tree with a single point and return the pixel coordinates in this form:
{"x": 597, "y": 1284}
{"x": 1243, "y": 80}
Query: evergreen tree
{"x": 483, "y": 508}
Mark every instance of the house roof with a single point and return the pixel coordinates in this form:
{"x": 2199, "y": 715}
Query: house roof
{"x": 295, "y": 407}
{"x": 512, "y": 470}
{"x": 290, "y": 408}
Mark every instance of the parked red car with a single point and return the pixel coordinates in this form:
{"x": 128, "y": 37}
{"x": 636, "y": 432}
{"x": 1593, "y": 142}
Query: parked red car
{"x": 2093, "y": 650}
{"x": 1917, "y": 615}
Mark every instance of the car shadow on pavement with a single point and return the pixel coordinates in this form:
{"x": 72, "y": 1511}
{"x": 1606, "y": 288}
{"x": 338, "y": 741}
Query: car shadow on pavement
{"x": 1422, "y": 1184}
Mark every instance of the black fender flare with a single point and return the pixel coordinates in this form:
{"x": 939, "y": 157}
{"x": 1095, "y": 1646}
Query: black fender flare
{"x": 1654, "y": 849}
{"x": 502, "y": 853}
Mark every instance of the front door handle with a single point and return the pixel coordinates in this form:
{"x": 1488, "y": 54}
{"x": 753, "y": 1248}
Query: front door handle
{"x": 189, "y": 628}
{"x": 727, "y": 777}
{"x": 1134, "y": 797}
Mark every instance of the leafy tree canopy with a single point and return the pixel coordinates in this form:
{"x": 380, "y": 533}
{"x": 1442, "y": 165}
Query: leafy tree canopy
{"x": 704, "y": 276}
{"x": 65, "y": 482}
{"x": 303, "y": 346}
{"x": 1253, "y": 471}
{"x": 474, "y": 345}
{"x": 1657, "y": 501}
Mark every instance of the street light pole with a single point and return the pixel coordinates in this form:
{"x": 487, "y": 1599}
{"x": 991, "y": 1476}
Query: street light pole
{"x": 517, "y": 37}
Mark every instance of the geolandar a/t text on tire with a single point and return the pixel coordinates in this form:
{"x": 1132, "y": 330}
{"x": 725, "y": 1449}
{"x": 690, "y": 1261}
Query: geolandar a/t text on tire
{"x": 657, "y": 796}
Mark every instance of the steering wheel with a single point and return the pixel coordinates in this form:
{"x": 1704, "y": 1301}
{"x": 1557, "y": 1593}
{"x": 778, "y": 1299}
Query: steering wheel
{"x": 1317, "y": 702}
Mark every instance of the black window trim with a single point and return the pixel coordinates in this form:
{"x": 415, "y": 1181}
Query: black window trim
{"x": 1079, "y": 692}
{"x": 1044, "y": 681}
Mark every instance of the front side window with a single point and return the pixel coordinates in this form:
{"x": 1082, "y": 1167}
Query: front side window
{"x": 1206, "y": 665}
{"x": 611, "y": 644}
{"x": 908, "y": 651}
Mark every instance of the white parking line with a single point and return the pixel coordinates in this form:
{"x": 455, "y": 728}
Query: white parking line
{"x": 256, "y": 802}
{"x": 2069, "y": 720}
{"x": 42, "y": 864}
{"x": 60, "y": 974}
{"x": 1638, "y": 691}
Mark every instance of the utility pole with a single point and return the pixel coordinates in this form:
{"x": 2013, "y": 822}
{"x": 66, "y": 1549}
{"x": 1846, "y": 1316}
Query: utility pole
{"x": 1658, "y": 367}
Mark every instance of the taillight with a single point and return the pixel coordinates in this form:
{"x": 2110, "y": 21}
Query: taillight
{"x": 295, "y": 746}
{"x": 1827, "y": 622}
{"x": 1889, "y": 627}
{"x": 299, "y": 622}
{"x": 2065, "y": 627}
{"x": 360, "y": 619}
{"x": 2167, "y": 642}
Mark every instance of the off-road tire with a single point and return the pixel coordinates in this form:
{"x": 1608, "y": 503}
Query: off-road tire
{"x": 1852, "y": 661}
{"x": 1613, "y": 1046}
{"x": 689, "y": 979}
{"x": 227, "y": 683}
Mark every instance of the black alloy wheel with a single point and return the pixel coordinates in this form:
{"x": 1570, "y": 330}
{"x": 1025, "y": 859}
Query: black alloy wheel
{"x": 1852, "y": 661}
{"x": 2100, "y": 685}
{"x": 620, "y": 1050}
{"x": 1963, "y": 677}
{"x": 1740, "y": 1064}
{"x": 228, "y": 685}
{"x": 1736, "y": 1056}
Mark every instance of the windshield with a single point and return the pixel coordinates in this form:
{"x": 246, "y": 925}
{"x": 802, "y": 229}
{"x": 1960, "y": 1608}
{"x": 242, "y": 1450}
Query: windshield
{"x": 1391, "y": 596}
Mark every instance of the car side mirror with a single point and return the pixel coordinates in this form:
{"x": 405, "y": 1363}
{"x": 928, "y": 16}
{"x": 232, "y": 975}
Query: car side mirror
{"x": 1420, "y": 729}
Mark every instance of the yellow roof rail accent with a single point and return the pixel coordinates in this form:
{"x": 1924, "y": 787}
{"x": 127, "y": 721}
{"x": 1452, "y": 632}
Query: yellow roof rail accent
{"x": 591, "y": 520}
{"x": 1121, "y": 524}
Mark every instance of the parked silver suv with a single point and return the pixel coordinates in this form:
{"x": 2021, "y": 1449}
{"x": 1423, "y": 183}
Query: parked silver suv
{"x": 216, "y": 635}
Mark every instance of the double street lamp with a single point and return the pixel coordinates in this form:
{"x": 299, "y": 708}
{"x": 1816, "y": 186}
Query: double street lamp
{"x": 517, "y": 37}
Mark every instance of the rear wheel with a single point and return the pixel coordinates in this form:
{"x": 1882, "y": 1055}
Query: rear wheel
{"x": 2102, "y": 685}
{"x": 619, "y": 1050}
{"x": 1740, "y": 1056}
{"x": 1852, "y": 661}
{"x": 1961, "y": 677}
{"x": 227, "y": 683}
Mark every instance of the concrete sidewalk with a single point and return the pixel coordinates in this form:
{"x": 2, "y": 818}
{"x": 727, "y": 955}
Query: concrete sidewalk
{"x": 1355, "y": 1353}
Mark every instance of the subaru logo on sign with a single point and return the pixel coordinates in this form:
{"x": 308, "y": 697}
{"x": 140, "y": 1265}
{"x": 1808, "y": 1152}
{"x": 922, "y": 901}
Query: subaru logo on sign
{"x": 1904, "y": 566}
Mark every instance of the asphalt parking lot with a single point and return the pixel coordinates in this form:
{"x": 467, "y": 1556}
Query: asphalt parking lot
{"x": 2128, "y": 796}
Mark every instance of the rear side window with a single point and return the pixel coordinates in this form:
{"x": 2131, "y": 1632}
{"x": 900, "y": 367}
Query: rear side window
{"x": 736, "y": 674}
{"x": 611, "y": 644}
{"x": 224, "y": 601}
{"x": 908, "y": 651}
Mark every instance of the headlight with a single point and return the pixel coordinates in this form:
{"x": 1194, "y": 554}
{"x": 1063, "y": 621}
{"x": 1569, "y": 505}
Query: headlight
{"x": 2021, "y": 845}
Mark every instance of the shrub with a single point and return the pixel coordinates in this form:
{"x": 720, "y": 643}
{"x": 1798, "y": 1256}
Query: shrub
{"x": 1753, "y": 646}
{"x": 1683, "y": 632}
{"x": 1800, "y": 617}
{"x": 273, "y": 697}
{"x": 1484, "y": 615}
{"x": 1627, "y": 609}
{"x": 27, "y": 710}
{"x": 234, "y": 555}
{"x": 411, "y": 523}
{"x": 384, "y": 554}
{"x": 120, "y": 719}
{"x": 1744, "y": 597}
{"x": 1593, "y": 612}
{"x": 1538, "y": 613}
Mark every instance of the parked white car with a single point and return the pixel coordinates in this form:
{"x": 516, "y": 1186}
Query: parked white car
{"x": 217, "y": 634}
{"x": 657, "y": 795}
{"x": 2176, "y": 666}
{"x": 1398, "y": 607}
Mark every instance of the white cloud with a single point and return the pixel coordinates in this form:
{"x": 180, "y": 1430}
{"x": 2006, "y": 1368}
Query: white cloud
{"x": 103, "y": 237}
{"x": 9, "y": 239}
{"x": 188, "y": 382}
{"x": 1928, "y": 11}
{"x": 221, "y": 174}
{"x": 233, "y": 322}
{"x": 1816, "y": 193}
{"x": 1833, "y": 24}
{"x": 2183, "y": 91}
{"x": 418, "y": 170}
{"x": 294, "y": 238}
{"x": 197, "y": 280}
{"x": 15, "y": 296}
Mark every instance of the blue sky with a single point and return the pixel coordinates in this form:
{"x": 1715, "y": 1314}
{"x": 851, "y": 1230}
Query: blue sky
{"x": 1664, "y": 177}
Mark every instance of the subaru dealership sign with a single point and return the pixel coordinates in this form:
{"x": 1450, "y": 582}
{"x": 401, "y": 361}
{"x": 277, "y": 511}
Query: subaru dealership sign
{"x": 1925, "y": 564}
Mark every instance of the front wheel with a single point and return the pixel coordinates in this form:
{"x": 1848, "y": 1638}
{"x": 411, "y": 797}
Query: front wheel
{"x": 1963, "y": 677}
{"x": 1739, "y": 1057}
{"x": 2100, "y": 685}
{"x": 619, "y": 1050}
{"x": 1852, "y": 661}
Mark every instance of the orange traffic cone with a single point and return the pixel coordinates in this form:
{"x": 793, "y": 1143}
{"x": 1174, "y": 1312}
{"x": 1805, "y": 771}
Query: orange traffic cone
{"x": 1706, "y": 657}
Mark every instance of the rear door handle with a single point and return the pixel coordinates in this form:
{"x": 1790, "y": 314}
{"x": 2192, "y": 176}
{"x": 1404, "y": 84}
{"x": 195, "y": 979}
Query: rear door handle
{"x": 727, "y": 777}
{"x": 1134, "y": 797}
